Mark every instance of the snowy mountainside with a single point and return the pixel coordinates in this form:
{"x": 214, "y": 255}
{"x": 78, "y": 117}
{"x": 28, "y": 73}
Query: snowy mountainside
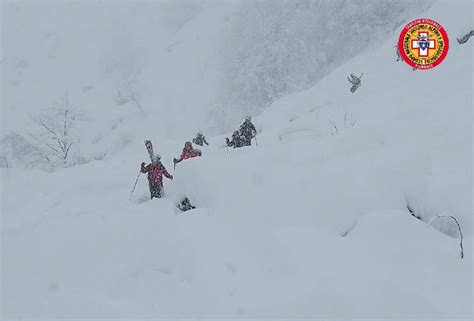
{"x": 168, "y": 68}
{"x": 420, "y": 120}
{"x": 312, "y": 222}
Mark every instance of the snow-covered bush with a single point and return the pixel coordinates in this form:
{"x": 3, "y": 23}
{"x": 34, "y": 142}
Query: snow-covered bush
{"x": 55, "y": 132}
{"x": 51, "y": 143}
{"x": 18, "y": 151}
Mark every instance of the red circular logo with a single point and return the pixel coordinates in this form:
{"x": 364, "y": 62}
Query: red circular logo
{"x": 423, "y": 43}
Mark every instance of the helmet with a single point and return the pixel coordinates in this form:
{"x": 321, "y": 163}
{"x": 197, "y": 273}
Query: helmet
{"x": 188, "y": 145}
{"x": 248, "y": 118}
{"x": 156, "y": 158}
{"x": 200, "y": 133}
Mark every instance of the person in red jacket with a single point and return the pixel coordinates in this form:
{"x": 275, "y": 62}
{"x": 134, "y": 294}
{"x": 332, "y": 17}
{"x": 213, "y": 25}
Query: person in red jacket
{"x": 155, "y": 171}
{"x": 188, "y": 152}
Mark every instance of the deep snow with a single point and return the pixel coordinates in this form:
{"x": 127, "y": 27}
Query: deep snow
{"x": 309, "y": 223}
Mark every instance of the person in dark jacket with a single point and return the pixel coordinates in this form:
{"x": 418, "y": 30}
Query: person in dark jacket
{"x": 200, "y": 139}
{"x": 236, "y": 141}
{"x": 185, "y": 205}
{"x": 247, "y": 131}
{"x": 155, "y": 171}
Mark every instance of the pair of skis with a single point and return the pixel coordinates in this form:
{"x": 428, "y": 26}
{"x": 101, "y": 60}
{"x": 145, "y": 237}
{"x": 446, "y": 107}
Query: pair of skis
{"x": 149, "y": 148}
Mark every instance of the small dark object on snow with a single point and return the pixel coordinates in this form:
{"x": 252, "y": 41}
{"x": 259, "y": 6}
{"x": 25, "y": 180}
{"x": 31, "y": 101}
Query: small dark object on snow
{"x": 200, "y": 139}
{"x": 185, "y": 205}
{"x": 355, "y": 82}
{"x": 465, "y": 38}
{"x": 412, "y": 212}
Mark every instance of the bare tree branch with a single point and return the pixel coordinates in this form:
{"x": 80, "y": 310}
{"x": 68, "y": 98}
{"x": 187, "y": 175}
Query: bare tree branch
{"x": 335, "y": 127}
{"x": 458, "y": 226}
{"x": 56, "y": 124}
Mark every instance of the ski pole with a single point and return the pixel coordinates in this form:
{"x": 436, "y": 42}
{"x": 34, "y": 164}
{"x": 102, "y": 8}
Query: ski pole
{"x": 136, "y": 181}
{"x": 256, "y": 141}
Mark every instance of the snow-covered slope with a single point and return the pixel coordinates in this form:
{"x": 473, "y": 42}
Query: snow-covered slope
{"x": 312, "y": 222}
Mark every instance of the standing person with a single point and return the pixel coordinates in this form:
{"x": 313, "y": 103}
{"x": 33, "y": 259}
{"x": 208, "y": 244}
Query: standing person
{"x": 155, "y": 171}
{"x": 247, "y": 131}
{"x": 188, "y": 152}
{"x": 200, "y": 139}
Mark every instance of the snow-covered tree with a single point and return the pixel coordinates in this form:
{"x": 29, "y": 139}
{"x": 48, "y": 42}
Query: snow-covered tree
{"x": 275, "y": 48}
{"x": 55, "y": 132}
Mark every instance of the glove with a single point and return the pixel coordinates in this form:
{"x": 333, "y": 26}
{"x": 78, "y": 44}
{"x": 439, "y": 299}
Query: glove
{"x": 143, "y": 164}
{"x": 175, "y": 160}
{"x": 171, "y": 177}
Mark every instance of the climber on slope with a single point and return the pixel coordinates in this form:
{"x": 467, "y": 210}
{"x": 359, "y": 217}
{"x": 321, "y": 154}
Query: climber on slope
{"x": 188, "y": 152}
{"x": 155, "y": 171}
